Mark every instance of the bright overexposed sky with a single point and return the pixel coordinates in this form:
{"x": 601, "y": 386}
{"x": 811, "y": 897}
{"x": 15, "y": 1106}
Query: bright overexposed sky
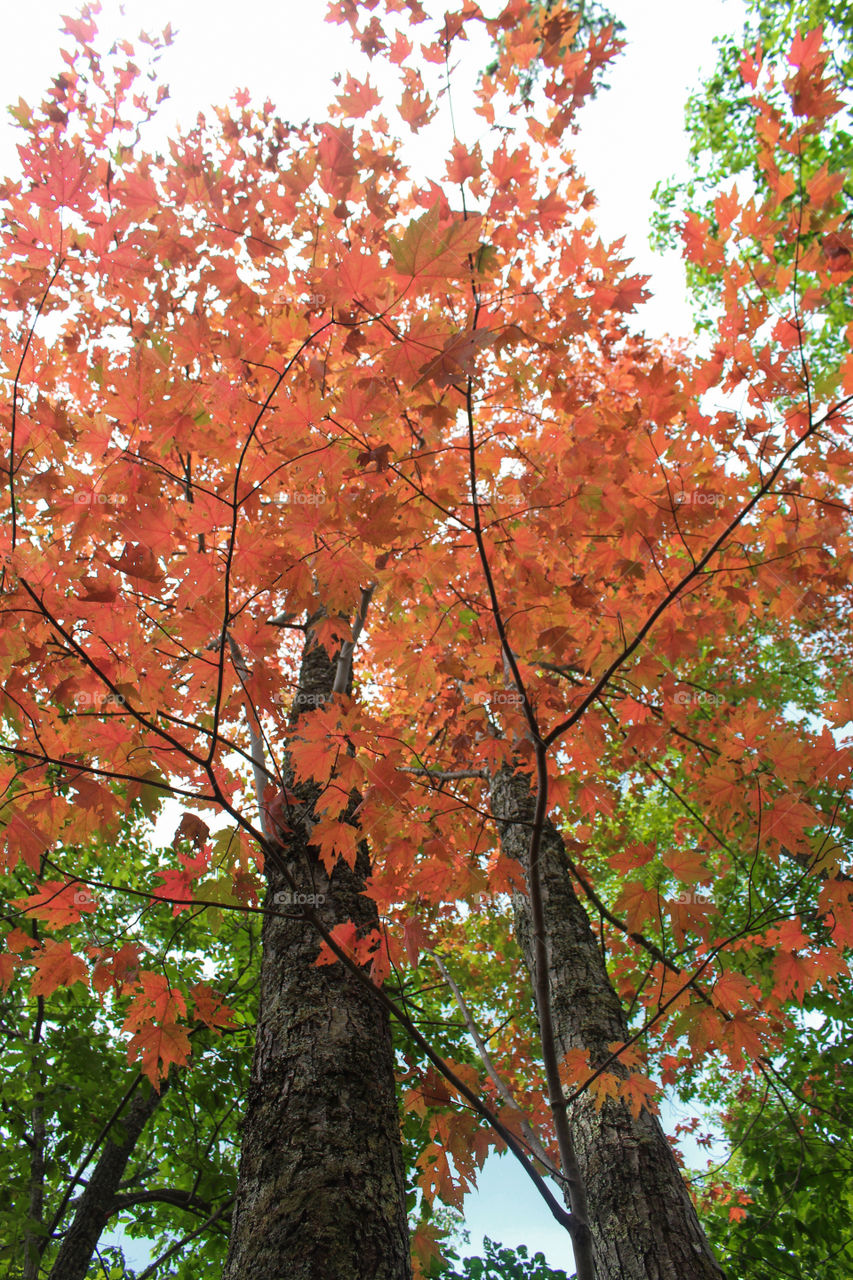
{"x": 283, "y": 50}
{"x": 631, "y": 137}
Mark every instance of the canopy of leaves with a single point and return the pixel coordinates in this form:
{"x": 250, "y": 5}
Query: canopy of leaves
{"x": 723, "y": 146}
{"x": 267, "y": 376}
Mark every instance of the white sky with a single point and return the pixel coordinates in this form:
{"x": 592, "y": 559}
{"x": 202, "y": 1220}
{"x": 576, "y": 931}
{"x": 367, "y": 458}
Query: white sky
{"x": 631, "y": 137}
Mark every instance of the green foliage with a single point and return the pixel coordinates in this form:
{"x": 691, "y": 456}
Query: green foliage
{"x": 793, "y": 1157}
{"x": 789, "y": 1131}
{"x": 65, "y": 1061}
{"x": 723, "y": 145}
{"x": 500, "y": 1263}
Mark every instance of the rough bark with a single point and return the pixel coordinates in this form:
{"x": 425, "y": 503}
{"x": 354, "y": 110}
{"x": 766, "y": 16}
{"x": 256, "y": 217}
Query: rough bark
{"x": 97, "y": 1203}
{"x": 321, "y": 1190}
{"x": 643, "y": 1222}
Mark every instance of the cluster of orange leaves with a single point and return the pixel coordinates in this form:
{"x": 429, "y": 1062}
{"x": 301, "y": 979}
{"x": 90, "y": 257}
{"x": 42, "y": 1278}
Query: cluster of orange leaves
{"x": 284, "y": 369}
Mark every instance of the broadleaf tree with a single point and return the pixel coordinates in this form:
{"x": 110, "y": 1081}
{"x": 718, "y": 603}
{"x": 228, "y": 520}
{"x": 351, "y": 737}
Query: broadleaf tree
{"x": 778, "y": 1158}
{"x": 350, "y": 510}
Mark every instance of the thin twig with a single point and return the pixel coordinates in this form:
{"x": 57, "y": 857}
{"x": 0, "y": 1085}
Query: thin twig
{"x": 503, "y": 1089}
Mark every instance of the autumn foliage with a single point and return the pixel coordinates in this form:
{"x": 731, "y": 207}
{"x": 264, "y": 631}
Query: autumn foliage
{"x": 272, "y": 375}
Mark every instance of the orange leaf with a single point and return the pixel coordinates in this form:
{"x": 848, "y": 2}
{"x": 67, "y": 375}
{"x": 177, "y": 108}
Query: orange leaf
{"x": 56, "y": 966}
{"x": 59, "y": 902}
{"x": 156, "y": 1002}
{"x": 639, "y": 904}
{"x": 209, "y": 1006}
{"x": 8, "y": 964}
{"x": 335, "y": 840}
{"x": 157, "y": 1047}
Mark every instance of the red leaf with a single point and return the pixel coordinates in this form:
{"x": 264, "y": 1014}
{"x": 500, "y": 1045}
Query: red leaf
{"x": 56, "y": 966}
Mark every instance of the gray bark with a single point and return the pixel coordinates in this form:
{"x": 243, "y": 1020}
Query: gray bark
{"x": 644, "y": 1225}
{"x": 321, "y": 1190}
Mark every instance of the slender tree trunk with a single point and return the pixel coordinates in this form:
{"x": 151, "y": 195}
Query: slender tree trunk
{"x": 97, "y": 1203}
{"x": 32, "y": 1236}
{"x": 643, "y": 1222}
{"x": 321, "y": 1191}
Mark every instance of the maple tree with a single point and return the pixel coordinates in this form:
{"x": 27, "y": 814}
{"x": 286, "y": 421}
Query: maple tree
{"x": 722, "y": 145}
{"x": 350, "y": 511}
{"x": 785, "y": 1228}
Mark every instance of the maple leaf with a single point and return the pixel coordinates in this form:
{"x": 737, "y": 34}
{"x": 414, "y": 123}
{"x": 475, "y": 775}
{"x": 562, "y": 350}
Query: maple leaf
{"x": 435, "y": 248}
{"x": 605, "y": 1085}
{"x": 415, "y": 938}
{"x": 177, "y": 885}
{"x": 137, "y": 561}
{"x": 59, "y": 902}
{"x": 380, "y": 455}
{"x": 742, "y": 1040}
{"x": 191, "y": 828}
{"x": 639, "y": 1092}
{"x": 464, "y": 164}
{"x": 795, "y": 975}
{"x": 18, "y": 941}
{"x": 56, "y": 966}
{"x": 456, "y": 359}
{"x": 210, "y": 1008}
{"x": 631, "y": 858}
{"x": 346, "y": 937}
{"x": 23, "y": 838}
{"x": 156, "y": 1001}
{"x": 114, "y": 968}
{"x": 157, "y": 1047}
{"x": 278, "y": 810}
{"x": 359, "y": 97}
{"x": 335, "y": 840}
{"x": 8, "y": 965}
{"x": 639, "y": 904}
{"x": 687, "y": 865}
{"x": 317, "y": 745}
{"x": 732, "y": 991}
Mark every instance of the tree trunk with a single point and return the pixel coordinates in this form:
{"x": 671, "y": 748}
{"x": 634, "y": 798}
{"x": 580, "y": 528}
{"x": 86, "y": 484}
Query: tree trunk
{"x": 97, "y": 1203}
{"x": 321, "y": 1192}
{"x": 35, "y": 1215}
{"x": 643, "y": 1222}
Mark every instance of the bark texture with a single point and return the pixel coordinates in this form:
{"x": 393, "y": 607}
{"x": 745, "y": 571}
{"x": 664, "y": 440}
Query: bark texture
{"x": 643, "y": 1222}
{"x": 98, "y": 1201}
{"x": 321, "y": 1190}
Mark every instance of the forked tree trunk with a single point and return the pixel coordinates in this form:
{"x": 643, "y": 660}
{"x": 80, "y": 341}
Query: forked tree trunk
{"x": 644, "y": 1225}
{"x": 321, "y": 1191}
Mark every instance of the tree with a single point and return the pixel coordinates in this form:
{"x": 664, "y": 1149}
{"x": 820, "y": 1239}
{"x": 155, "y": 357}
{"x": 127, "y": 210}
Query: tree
{"x": 778, "y": 1159}
{"x": 723, "y": 146}
{"x": 365, "y": 522}
{"x": 93, "y": 1143}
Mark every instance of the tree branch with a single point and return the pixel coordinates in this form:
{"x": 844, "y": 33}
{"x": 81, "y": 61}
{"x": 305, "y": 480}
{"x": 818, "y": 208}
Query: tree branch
{"x": 503, "y": 1089}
